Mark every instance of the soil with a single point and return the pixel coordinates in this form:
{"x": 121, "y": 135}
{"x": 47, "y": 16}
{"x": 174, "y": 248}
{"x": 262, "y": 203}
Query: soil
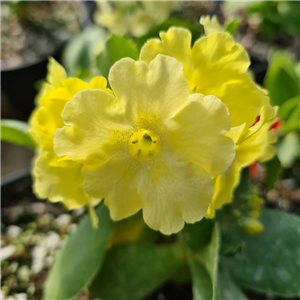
{"x": 31, "y": 30}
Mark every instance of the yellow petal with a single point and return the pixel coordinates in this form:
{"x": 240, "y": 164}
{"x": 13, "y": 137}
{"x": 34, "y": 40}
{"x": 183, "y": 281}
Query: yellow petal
{"x": 243, "y": 99}
{"x": 116, "y": 181}
{"x": 158, "y": 89}
{"x": 254, "y": 143}
{"x": 210, "y": 24}
{"x": 63, "y": 184}
{"x": 96, "y": 129}
{"x": 173, "y": 192}
{"x": 197, "y": 132}
{"x": 224, "y": 186}
{"x": 176, "y": 42}
{"x": 216, "y": 66}
{"x": 56, "y": 73}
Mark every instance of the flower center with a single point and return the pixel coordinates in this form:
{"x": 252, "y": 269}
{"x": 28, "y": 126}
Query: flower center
{"x": 144, "y": 145}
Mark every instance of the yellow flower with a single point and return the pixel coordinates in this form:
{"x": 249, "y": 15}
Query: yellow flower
{"x": 57, "y": 178}
{"x": 252, "y": 144}
{"x": 218, "y": 66}
{"x": 133, "y": 17}
{"x": 151, "y": 146}
{"x": 215, "y": 65}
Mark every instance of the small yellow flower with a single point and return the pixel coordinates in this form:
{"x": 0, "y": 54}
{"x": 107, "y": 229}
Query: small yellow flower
{"x": 133, "y": 17}
{"x": 57, "y": 178}
{"x": 151, "y": 146}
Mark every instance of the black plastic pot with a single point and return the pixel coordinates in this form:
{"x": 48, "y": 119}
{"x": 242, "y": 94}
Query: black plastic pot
{"x": 19, "y": 84}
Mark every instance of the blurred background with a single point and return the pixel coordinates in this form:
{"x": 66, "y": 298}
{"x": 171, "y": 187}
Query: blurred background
{"x": 74, "y": 33}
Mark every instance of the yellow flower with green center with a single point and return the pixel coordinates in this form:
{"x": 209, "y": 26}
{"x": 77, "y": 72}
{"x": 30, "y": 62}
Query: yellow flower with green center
{"x": 150, "y": 146}
{"x": 57, "y": 178}
{"x": 216, "y": 65}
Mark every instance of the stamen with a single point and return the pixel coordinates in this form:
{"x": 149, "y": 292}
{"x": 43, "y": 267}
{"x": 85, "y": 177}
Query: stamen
{"x": 154, "y": 141}
{"x": 139, "y": 151}
{"x": 150, "y": 152}
{"x": 134, "y": 142}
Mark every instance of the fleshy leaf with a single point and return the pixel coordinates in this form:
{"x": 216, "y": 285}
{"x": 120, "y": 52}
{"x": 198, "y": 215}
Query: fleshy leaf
{"x": 16, "y": 132}
{"x": 270, "y": 262}
{"x": 131, "y": 271}
{"x": 80, "y": 259}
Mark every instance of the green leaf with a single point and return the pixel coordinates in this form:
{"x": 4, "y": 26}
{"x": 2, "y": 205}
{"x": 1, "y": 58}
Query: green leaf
{"x": 203, "y": 262}
{"x": 226, "y": 287}
{"x": 197, "y": 235}
{"x": 273, "y": 169}
{"x": 287, "y": 107}
{"x": 271, "y": 262}
{"x": 293, "y": 122}
{"x": 78, "y": 56}
{"x": 202, "y": 285}
{"x": 289, "y": 149}
{"x": 80, "y": 259}
{"x": 232, "y": 26}
{"x": 16, "y": 132}
{"x": 281, "y": 79}
{"x": 132, "y": 271}
{"x": 164, "y": 26}
{"x": 115, "y": 48}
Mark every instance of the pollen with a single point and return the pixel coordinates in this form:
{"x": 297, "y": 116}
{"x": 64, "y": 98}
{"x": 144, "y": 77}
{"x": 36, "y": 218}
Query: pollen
{"x": 144, "y": 145}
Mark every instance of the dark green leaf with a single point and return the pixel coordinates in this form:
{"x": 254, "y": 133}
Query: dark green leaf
{"x": 16, "y": 132}
{"x": 116, "y": 47}
{"x": 197, "y": 235}
{"x": 132, "y": 271}
{"x": 78, "y": 55}
{"x": 154, "y": 32}
{"x": 271, "y": 262}
{"x": 273, "y": 169}
{"x": 80, "y": 259}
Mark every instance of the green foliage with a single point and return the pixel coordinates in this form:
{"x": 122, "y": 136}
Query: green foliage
{"x": 288, "y": 150}
{"x": 115, "y": 48}
{"x": 197, "y": 235}
{"x": 164, "y": 26}
{"x": 202, "y": 252}
{"x": 270, "y": 263}
{"x": 16, "y": 132}
{"x": 232, "y": 26}
{"x": 227, "y": 289}
{"x": 278, "y": 18}
{"x": 282, "y": 80}
{"x": 131, "y": 271}
{"x": 79, "y": 53}
{"x": 80, "y": 259}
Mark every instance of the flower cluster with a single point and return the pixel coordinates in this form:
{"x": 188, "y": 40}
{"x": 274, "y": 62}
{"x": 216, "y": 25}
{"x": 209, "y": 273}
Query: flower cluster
{"x": 170, "y": 137}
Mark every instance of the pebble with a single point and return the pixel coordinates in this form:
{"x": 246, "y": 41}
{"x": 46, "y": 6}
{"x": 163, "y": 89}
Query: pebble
{"x": 51, "y": 241}
{"x": 7, "y": 252}
{"x": 63, "y": 220}
{"x": 38, "y": 255}
{"x": 13, "y": 231}
{"x": 23, "y": 273}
